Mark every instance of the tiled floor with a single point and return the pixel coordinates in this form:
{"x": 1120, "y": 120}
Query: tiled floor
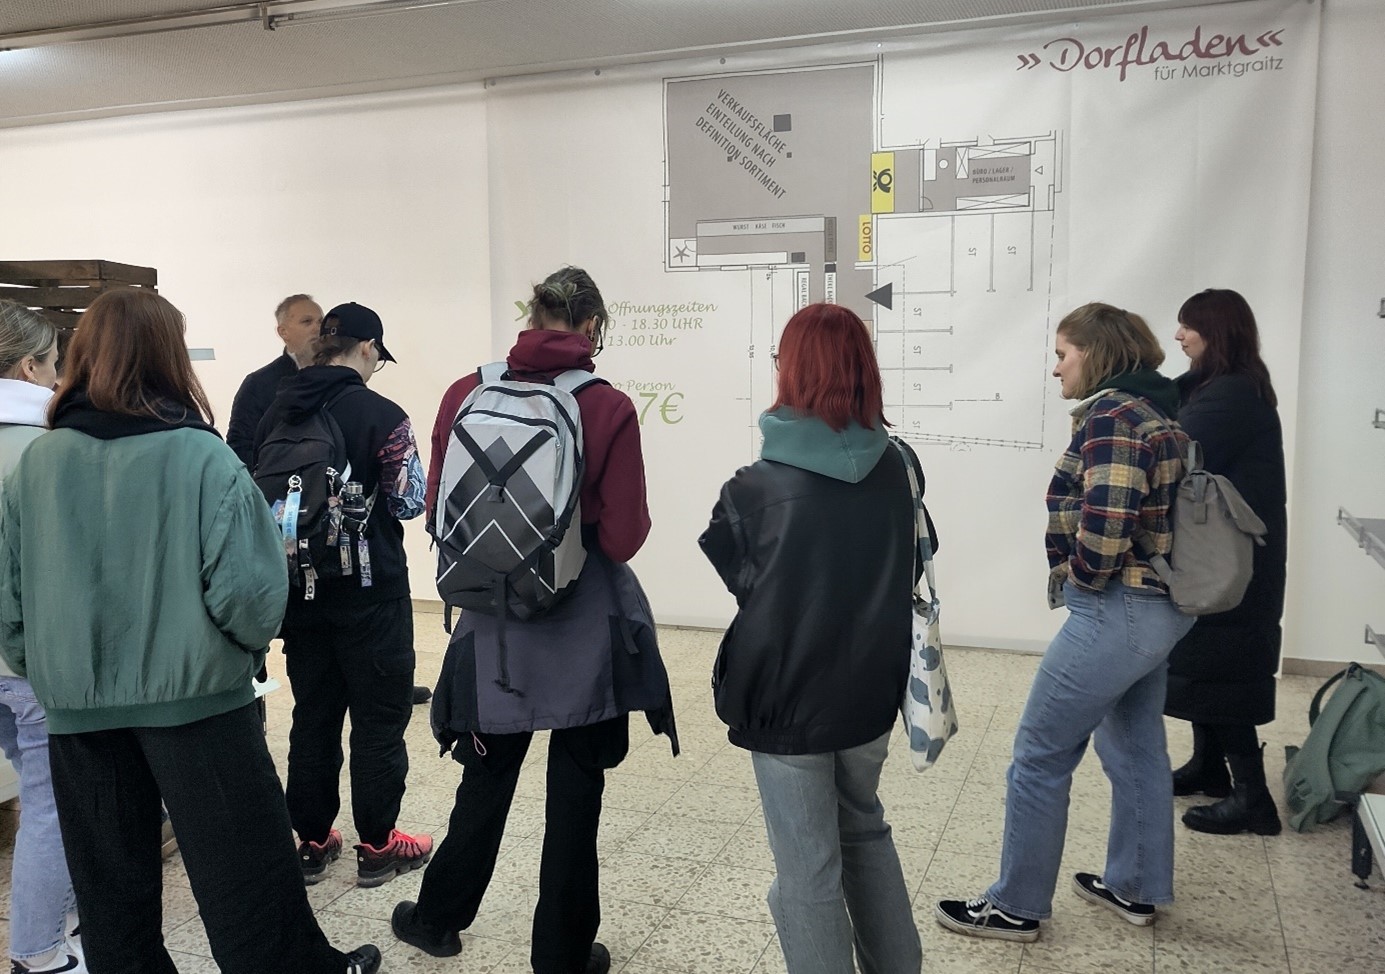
{"x": 685, "y": 865}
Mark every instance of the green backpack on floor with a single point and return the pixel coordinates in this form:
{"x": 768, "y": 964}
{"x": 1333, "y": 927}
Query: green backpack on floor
{"x": 1344, "y": 751}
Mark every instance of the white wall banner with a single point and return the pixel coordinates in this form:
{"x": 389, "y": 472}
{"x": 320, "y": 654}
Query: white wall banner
{"x": 961, "y": 192}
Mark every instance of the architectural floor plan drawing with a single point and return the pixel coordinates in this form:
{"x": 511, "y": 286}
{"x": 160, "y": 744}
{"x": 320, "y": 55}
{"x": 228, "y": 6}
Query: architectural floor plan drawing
{"x": 946, "y": 248}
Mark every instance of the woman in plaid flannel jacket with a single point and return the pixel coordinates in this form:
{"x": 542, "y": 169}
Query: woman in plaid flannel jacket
{"x": 1102, "y": 678}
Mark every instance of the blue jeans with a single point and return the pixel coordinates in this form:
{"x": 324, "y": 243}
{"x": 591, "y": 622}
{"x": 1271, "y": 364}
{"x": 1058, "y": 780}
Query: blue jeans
{"x": 839, "y": 880}
{"x": 40, "y": 889}
{"x": 1103, "y": 676}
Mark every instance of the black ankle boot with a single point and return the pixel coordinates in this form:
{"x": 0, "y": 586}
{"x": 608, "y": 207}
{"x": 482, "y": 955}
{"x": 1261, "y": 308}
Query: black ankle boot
{"x": 1249, "y": 809}
{"x": 1205, "y": 771}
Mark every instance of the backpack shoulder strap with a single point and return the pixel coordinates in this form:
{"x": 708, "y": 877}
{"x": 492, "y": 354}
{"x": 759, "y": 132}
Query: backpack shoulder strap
{"x": 1192, "y": 460}
{"x": 341, "y": 394}
{"x": 574, "y": 381}
{"x": 1315, "y": 708}
{"x": 492, "y": 372}
{"x": 338, "y": 437}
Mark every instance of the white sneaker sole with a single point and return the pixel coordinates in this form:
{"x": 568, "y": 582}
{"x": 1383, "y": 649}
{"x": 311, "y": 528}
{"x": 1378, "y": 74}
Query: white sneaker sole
{"x": 1137, "y": 919}
{"x": 986, "y": 933}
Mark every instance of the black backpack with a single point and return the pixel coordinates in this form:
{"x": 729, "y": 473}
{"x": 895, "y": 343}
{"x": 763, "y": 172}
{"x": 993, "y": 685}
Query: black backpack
{"x": 301, "y": 468}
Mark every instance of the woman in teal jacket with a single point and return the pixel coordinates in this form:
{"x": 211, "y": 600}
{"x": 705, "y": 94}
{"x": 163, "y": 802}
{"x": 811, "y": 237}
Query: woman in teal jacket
{"x": 140, "y": 580}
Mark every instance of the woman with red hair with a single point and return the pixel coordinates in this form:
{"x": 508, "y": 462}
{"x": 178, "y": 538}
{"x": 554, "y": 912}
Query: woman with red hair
{"x": 816, "y": 541}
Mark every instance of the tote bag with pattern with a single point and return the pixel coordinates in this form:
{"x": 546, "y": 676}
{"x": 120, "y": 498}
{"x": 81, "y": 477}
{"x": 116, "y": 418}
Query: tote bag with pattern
{"x": 929, "y": 715}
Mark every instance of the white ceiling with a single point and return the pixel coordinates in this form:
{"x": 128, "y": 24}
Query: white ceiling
{"x": 464, "y": 42}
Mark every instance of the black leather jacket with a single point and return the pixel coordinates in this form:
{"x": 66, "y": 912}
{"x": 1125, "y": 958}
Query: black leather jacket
{"x": 817, "y": 657}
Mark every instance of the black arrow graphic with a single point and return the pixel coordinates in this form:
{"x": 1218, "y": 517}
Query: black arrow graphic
{"x": 883, "y": 296}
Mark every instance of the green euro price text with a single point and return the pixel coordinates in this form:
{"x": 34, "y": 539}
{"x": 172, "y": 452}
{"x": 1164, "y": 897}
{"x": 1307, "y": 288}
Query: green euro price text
{"x": 663, "y": 406}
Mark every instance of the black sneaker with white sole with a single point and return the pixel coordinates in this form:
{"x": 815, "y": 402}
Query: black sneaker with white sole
{"x": 981, "y": 918}
{"x": 1090, "y": 887}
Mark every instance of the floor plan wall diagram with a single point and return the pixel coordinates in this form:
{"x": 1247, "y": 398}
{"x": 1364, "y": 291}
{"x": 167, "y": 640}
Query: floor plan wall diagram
{"x": 946, "y": 247}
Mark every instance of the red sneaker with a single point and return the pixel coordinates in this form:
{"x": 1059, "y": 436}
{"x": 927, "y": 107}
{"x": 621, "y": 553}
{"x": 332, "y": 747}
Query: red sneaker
{"x": 315, "y": 857}
{"x": 402, "y": 853}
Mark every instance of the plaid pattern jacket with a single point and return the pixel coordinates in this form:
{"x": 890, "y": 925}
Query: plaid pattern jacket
{"x": 1119, "y": 473}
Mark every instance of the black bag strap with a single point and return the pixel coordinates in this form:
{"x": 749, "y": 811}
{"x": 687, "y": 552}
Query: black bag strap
{"x": 338, "y": 437}
{"x": 1315, "y": 708}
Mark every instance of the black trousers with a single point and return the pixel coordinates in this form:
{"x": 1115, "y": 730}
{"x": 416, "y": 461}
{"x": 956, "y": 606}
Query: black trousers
{"x": 218, "y": 781}
{"x": 358, "y": 659}
{"x": 569, "y": 909}
{"x": 1240, "y": 739}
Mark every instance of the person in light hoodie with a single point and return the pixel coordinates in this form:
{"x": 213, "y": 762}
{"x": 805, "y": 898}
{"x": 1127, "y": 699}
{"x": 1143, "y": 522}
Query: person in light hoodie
{"x": 41, "y": 897}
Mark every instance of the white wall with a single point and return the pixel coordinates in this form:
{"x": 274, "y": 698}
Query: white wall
{"x": 1334, "y": 589}
{"x": 379, "y": 199}
{"x": 383, "y": 200}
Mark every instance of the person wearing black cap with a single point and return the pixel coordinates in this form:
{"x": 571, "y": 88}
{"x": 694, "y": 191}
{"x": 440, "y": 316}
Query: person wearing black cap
{"x": 299, "y": 320}
{"x": 351, "y": 648}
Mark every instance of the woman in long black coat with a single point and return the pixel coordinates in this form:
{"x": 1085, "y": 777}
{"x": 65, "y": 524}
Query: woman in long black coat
{"x": 1222, "y": 674}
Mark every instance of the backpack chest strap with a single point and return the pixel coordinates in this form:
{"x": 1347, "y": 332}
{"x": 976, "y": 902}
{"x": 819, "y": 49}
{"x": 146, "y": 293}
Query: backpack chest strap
{"x": 498, "y": 477}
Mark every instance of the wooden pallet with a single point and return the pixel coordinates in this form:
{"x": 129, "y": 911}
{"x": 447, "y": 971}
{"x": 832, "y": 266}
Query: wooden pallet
{"x": 63, "y": 289}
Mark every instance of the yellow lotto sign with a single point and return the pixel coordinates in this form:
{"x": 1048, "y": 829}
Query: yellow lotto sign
{"x": 865, "y": 239}
{"x": 882, "y": 182}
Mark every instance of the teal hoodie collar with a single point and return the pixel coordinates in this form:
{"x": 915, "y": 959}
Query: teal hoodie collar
{"x": 805, "y": 441}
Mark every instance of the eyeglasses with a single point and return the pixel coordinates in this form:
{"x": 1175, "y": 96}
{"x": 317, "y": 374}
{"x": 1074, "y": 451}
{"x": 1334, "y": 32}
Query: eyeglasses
{"x": 774, "y": 357}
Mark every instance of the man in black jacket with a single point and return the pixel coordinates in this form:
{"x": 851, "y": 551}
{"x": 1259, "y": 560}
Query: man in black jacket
{"x": 299, "y": 320}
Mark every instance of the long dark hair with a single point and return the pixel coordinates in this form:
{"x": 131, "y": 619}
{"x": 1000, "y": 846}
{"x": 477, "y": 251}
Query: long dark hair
{"x": 1224, "y": 321}
{"x": 129, "y": 357}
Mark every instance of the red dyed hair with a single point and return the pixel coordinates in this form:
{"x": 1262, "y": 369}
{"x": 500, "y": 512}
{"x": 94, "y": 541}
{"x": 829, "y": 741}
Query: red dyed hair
{"x": 827, "y": 368}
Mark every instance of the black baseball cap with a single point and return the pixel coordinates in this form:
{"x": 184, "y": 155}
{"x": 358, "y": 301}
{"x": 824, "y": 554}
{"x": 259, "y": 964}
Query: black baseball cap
{"x": 357, "y": 321}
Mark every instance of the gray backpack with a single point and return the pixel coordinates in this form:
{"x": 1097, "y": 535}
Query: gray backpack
{"x": 511, "y": 479}
{"x": 1214, "y": 538}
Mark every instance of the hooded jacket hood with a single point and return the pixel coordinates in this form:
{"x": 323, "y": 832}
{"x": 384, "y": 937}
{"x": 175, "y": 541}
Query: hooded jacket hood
{"x": 23, "y": 403}
{"x": 548, "y": 352}
{"x": 77, "y": 413}
{"x": 805, "y": 441}
{"x": 303, "y": 393}
{"x": 1148, "y": 384}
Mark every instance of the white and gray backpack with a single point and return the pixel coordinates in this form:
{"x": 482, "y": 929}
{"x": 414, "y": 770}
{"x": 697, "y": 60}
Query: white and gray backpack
{"x": 510, "y": 489}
